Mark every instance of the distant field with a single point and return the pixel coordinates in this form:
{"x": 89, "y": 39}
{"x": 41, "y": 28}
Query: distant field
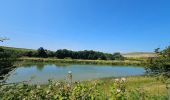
{"x": 16, "y": 49}
{"x": 139, "y": 55}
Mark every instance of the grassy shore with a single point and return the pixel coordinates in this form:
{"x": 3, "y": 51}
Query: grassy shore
{"x": 149, "y": 84}
{"x": 78, "y": 61}
{"x": 136, "y": 88}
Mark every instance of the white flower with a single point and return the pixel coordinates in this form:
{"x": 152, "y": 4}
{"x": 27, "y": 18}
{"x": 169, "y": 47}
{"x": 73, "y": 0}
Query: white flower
{"x": 117, "y": 80}
{"x": 47, "y": 91}
{"x": 118, "y": 90}
{"x": 57, "y": 84}
{"x": 123, "y": 79}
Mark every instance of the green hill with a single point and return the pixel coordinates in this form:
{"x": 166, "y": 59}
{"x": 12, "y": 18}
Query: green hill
{"x": 16, "y": 50}
{"x": 139, "y": 54}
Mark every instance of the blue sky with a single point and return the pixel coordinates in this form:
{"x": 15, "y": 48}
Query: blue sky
{"x": 102, "y": 25}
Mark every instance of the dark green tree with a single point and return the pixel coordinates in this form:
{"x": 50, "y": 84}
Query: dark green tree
{"x": 29, "y": 54}
{"x": 160, "y": 65}
{"x": 50, "y": 53}
{"x": 118, "y": 56}
{"x": 7, "y": 60}
{"x": 157, "y": 50}
{"x": 41, "y": 52}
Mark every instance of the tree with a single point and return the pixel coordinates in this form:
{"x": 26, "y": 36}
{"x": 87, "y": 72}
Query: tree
{"x": 50, "y": 53}
{"x": 6, "y": 57}
{"x": 160, "y": 65}
{"x": 157, "y": 50}
{"x": 117, "y": 56}
{"x": 7, "y": 60}
{"x": 28, "y": 53}
{"x": 41, "y": 52}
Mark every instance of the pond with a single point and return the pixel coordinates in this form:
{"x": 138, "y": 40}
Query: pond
{"x": 41, "y": 73}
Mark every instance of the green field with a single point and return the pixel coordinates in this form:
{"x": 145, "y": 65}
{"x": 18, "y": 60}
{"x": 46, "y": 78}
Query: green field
{"x": 139, "y": 55}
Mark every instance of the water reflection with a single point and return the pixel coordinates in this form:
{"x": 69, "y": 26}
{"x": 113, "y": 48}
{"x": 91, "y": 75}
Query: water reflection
{"x": 4, "y": 73}
{"x": 42, "y": 72}
{"x": 40, "y": 65}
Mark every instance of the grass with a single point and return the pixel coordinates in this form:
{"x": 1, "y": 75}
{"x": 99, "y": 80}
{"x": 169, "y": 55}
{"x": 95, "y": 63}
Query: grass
{"x": 139, "y": 55}
{"x": 78, "y": 61}
{"x": 137, "y": 88}
{"x": 149, "y": 84}
{"x": 16, "y": 49}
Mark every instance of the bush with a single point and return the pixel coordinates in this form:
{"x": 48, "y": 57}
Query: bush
{"x": 7, "y": 60}
{"x": 160, "y": 64}
{"x": 77, "y": 91}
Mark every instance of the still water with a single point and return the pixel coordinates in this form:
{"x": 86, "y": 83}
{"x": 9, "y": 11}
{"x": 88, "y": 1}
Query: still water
{"x": 41, "y": 73}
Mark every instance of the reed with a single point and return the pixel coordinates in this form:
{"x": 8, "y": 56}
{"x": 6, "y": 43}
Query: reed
{"x": 79, "y": 61}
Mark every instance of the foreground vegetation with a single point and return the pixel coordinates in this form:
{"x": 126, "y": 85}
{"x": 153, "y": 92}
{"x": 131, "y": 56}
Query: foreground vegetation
{"x": 132, "y": 88}
{"x": 6, "y": 62}
{"x": 160, "y": 65}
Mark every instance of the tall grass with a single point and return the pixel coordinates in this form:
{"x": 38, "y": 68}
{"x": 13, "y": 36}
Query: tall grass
{"x": 133, "y": 88}
{"x": 103, "y": 62}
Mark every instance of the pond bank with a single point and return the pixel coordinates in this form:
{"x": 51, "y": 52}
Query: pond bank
{"x": 73, "y": 61}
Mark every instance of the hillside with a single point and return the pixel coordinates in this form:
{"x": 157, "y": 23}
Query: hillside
{"x": 139, "y": 54}
{"x": 16, "y": 49}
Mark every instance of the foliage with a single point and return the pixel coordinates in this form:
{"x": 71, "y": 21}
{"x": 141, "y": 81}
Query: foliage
{"x": 19, "y": 52}
{"x": 90, "y": 55}
{"x": 92, "y": 90}
{"x": 77, "y": 61}
{"x": 160, "y": 65}
{"x": 50, "y": 53}
{"x": 118, "y": 89}
{"x": 7, "y": 60}
{"x": 64, "y": 53}
{"x": 41, "y": 53}
{"x": 118, "y": 56}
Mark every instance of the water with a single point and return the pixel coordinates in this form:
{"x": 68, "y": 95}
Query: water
{"x": 41, "y": 73}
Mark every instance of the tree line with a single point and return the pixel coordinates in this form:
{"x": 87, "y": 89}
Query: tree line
{"x": 69, "y": 54}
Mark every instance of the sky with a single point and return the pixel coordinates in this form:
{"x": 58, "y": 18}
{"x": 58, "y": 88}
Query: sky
{"x": 101, "y": 25}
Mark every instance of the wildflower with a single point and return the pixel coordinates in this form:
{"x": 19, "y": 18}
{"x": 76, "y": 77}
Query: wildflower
{"x": 118, "y": 90}
{"x": 57, "y": 84}
{"x": 47, "y": 91}
{"x": 68, "y": 86}
{"x": 117, "y": 80}
{"x": 123, "y": 79}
